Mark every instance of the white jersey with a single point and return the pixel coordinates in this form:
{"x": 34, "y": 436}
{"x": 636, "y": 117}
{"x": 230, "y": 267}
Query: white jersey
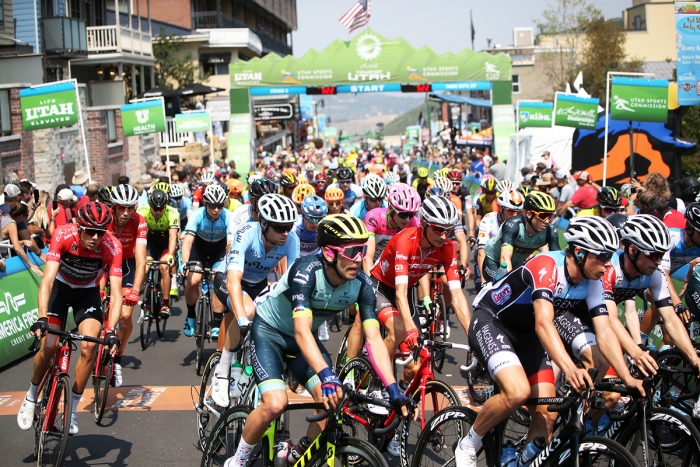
{"x": 488, "y": 229}
{"x": 241, "y": 215}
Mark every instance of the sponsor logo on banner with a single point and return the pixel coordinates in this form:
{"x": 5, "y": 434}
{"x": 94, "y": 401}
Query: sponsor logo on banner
{"x": 492, "y": 71}
{"x": 368, "y": 47}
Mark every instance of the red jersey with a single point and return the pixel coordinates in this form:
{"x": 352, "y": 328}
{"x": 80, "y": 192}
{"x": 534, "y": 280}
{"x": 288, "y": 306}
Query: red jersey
{"x": 674, "y": 219}
{"x": 402, "y": 261}
{"x": 198, "y": 195}
{"x": 80, "y": 267}
{"x": 135, "y": 231}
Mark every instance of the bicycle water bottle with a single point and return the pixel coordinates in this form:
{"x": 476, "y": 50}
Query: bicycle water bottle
{"x": 244, "y": 381}
{"x": 282, "y": 446}
{"x": 603, "y": 425}
{"x": 508, "y": 456}
{"x": 502, "y": 271}
{"x": 297, "y": 451}
{"x": 532, "y": 450}
{"x": 696, "y": 409}
{"x": 236, "y": 371}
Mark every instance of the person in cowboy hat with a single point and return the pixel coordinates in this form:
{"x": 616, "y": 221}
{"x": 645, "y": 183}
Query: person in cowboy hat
{"x": 79, "y": 182}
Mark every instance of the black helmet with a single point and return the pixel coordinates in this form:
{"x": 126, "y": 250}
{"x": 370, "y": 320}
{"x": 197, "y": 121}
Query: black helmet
{"x": 158, "y": 199}
{"x": 609, "y": 197}
{"x": 692, "y": 215}
{"x": 260, "y": 187}
{"x": 341, "y": 229}
{"x": 344, "y": 173}
{"x": 104, "y": 195}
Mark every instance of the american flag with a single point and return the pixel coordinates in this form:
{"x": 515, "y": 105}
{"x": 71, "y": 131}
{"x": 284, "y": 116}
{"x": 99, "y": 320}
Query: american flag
{"x": 357, "y": 16}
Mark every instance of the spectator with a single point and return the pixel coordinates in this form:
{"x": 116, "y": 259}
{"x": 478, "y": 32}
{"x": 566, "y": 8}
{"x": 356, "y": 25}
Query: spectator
{"x": 79, "y": 182}
{"x": 8, "y": 225}
{"x": 123, "y": 180}
{"x": 11, "y": 194}
{"x": 477, "y": 165}
{"x": 657, "y": 206}
{"x": 547, "y": 184}
{"x": 539, "y": 168}
{"x": 585, "y": 196}
{"x": 90, "y": 194}
{"x": 547, "y": 159}
{"x": 63, "y": 214}
{"x": 497, "y": 169}
{"x": 40, "y": 220}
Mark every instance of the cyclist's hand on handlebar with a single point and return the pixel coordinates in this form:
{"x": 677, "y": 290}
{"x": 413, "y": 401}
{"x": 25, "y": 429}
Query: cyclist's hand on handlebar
{"x": 244, "y": 325}
{"x": 331, "y": 388}
{"x": 471, "y": 241}
{"x": 400, "y": 400}
{"x": 131, "y": 297}
{"x": 170, "y": 259}
{"x": 645, "y": 362}
{"x": 637, "y": 384}
{"x": 112, "y": 342}
{"x": 184, "y": 269}
{"x": 682, "y": 312}
{"x": 39, "y": 327}
{"x": 579, "y": 379}
{"x": 412, "y": 337}
{"x": 103, "y": 295}
{"x": 464, "y": 272}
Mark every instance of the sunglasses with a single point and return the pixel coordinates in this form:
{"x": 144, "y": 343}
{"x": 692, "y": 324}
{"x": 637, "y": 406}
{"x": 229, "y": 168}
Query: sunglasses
{"x": 543, "y": 216}
{"x": 93, "y": 232}
{"x": 334, "y": 203}
{"x": 601, "y": 256}
{"x": 655, "y": 256}
{"x": 511, "y": 212}
{"x": 157, "y": 209}
{"x": 290, "y": 188}
{"x": 345, "y": 181}
{"x": 375, "y": 200}
{"x": 612, "y": 210}
{"x": 314, "y": 220}
{"x": 281, "y": 228}
{"x": 351, "y": 253}
{"x": 441, "y": 230}
{"x": 406, "y": 215}
{"x": 215, "y": 206}
{"x": 126, "y": 208}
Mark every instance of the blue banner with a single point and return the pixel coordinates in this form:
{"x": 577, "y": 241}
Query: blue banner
{"x": 306, "y": 106}
{"x": 688, "y": 47}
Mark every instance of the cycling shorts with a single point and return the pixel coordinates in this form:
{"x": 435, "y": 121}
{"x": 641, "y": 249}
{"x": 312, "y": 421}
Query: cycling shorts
{"x": 221, "y": 290}
{"x": 157, "y": 245}
{"x": 270, "y": 349}
{"x": 128, "y": 272}
{"x": 498, "y": 347}
{"x": 490, "y": 269}
{"x": 205, "y": 254}
{"x": 576, "y": 334}
{"x": 85, "y": 302}
{"x": 386, "y": 302}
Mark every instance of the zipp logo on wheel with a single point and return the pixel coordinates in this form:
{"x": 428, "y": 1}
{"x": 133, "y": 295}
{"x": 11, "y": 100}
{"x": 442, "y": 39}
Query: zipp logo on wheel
{"x": 445, "y": 416}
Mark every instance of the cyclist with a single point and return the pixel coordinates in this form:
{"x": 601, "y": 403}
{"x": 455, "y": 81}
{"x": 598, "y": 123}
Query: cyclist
{"x": 314, "y": 288}
{"x": 422, "y": 182}
{"x": 184, "y": 204}
{"x": 300, "y": 193}
{"x": 206, "y": 235}
{"x": 374, "y": 190}
{"x": 320, "y": 183}
{"x": 313, "y": 210}
{"x": 130, "y": 228}
{"x": 78, "y": 254}
{"x": 487, "y": 201}
{"x": 163, "y": 225}
{"x": 520, "y": 236}
{"x": 288, "y": 182}
{"x": 235, "y": 194}
{"x": 197, "y": 195}
{"x": 351, "y": 192}
{"x": 402, "y": 169}
{"x": 391, "y": 177}
{"x": 104, "y": 195}
{"x": 334, "y": 199}
{"x": 249, "y": 212}
{"x": 609, "y": 202}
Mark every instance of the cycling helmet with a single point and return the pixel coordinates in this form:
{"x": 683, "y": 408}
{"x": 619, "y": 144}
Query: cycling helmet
{"x": 341, "y": 229}
{"x": 374, "y": 187}
{"x": 443, "y": 172}
{"x": 422, "y": 172}
{"x": 488, "y": 177}
{"x": 444, "y": 183}
{"x": 104, "y": 195}
{"x": 592, "y": 233}
{"x": 288, "y": 179}
{"x": 334, "y": 194}
{"x": 505, "y": 186}
{"x": 214, "y": 194}
{"x": 512, "y": 200}
{"x": 626, "y": 190}
{"x": 609, "y": 197}
{"x": 539, "y": 201}
{"x": 320, "y": 177}
{"x": 435, "y": 191}
{"x": 391, "y": 177}
{"x": 525, "y": 190}
{"x": 164, "y": 186}
{"x": 438, "y": 210}
{"x": 309, "y": 167}
{"x": 618, "y": 221}
{"x": 176, "y": 191}
{"x": 646, "y": 232}
{"x": 236, "y": 186}
{"x": 301, "y": 192}
{"x": 489, "y": 185}
{"x": 253, "y": 177}
{"x": 261, "y": 186}
{"x": 158, "y": 199}
{"x": 455, "y": 175}
{"x": 277, "y": 208}
{"x": 314, "y": 206}
{"x": 226, "y": 188}
{"x": 124, "y": 195}
{"x": 344, "y": 174}
{"x": 403, "y": 198}
{"x": 692, "y": 215}
{"x": 94, "y": 216}
{"x": 436, "y": 174}
{"x": 208, "y": 177}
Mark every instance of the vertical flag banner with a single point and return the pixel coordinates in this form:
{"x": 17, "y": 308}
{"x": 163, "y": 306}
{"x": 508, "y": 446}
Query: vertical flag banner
{"x": 49, "y": 106}
{"x": 143, "y": 118}
{"x": 688, "y": 47}
{"x": 503, "y": 128}
{"x": 192, "y": 122}
{"x": 639, "y": 99}
{"x": 239, "y": 139}
{"x": 306, "y": 106}
{"x": 413, "y": 132}
{"x": 575, "y": 111}
{"x": 535, "y": 114}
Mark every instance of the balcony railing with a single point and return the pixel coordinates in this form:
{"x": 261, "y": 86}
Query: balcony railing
{"x": 64, "y": 36}
{"x": 212, "y": 20}
{"x": 271, "y": 44}
{"x": 171, "y": 138}
{"x": 113, "y": 38}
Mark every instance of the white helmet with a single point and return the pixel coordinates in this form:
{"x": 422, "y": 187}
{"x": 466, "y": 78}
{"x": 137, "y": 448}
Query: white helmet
{"x": 647, "y": 233}
{"x": 176, "y": 191}
{"x": 391, "y": 177}
{"x": 438, "y": 210}
{"x": 444, "y": 183}
{"x": 214, "y": 194}
{"x": 436, "y": 174}
{"x": 512, "y": 200}
{"x": 374, "y": 187}
{"x": 207, "y": 177}
{"x": 592, "y": 233}
{"x": 277, "y": 208}
{"x": 505, "y": 186}
{"x": 124, "y": 195}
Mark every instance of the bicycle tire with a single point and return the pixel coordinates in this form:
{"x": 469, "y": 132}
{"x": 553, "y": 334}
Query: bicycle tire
{"x": 352, "y": 451}
{"x": 161, "y": 321}
{"x": 225, "y": 436}
{"x": 441, "y": 321}
{"x": 479, "y": 382}
{"x": 101, "y": 383}
{"x": 206, "y": 419}
{"x": 60, "y": 403}
{"x": 147, "y": 318}
{"x": 679, "y": 383}
{"x": 409, "y": 435}
{"x": 199, "y": 333}
{"x": 591, "y": 450}
{"x": 341, "y": 355}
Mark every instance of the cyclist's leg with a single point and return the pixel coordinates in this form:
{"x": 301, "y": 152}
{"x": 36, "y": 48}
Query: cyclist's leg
{"x": 125, "y": 323}
{"x": 389, "y": 317}
{"x": 165, "y": 280}
{"x": 221, "y": 293}
{"x": 57, "y": 314}
{"x": 355, "y": 337}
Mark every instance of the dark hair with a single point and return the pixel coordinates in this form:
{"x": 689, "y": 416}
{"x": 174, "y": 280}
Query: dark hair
{"x": 59, "y": 188}
{"x": 657, "y": 203}
{"x": 18, "y": 209}
{"x": 123, "y": 180}
{"x": 26, "y": 185}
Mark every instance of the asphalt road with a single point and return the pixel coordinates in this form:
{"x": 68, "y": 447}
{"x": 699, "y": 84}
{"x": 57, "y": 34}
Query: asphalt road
{"x": 150, "y": 421}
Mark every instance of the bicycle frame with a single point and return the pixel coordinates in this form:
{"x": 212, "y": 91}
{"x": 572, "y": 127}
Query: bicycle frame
{"x": 98, "y": 358}
{"x": 59, "y": 366}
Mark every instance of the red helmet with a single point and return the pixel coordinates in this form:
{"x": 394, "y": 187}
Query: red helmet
{"x": 454, "y": 175}
{"x": 94, "y": 216}
{"x": 321, "y": 177}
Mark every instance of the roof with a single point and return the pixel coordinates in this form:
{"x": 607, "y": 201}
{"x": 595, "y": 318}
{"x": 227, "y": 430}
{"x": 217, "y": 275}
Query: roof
{"x": 662, "y": 70}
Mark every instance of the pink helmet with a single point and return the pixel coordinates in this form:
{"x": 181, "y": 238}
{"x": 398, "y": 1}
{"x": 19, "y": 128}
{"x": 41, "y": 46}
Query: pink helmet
{"x": 403, "y": 198}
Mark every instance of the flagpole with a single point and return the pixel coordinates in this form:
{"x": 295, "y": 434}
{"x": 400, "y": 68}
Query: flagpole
{"x": 82, "y": 131}
{"x": 471, "y": 23}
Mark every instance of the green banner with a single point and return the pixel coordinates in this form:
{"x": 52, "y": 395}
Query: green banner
{"x": 49, "y": 106}
{"x": 535, "y": 114}
{"x": 639, "y": 99}
{"x": 239, "y": 140}
{"x": 143, "y": 118}
{"x": 192, "y": 122}
{"x": 575, "y": 111}
{"x": 503, "y": 128}
{"x": 413, "y": 132}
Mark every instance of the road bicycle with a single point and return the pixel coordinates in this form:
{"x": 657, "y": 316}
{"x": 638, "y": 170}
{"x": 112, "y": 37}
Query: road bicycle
{"x": 437, "y": 321}
{"x": 332, "y": 447}
{"x": 152, "y": 302}
{"x": 53, "y": 409}
{"x": 103, "y": 373}
{"x": 205, "y": 316}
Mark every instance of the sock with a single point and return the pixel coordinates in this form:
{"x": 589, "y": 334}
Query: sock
{"x": 76, "y": 400}
{"x": 217, "y": 318}
{"x": 224, "y": 364}
{"x": 190, "y": 311}
{"x": 118, "y": 359}
{"x": 240, "y": 459}
{"x": 166, "y": 301}
{"x": 472, "y": 440}
{"x": 33, "y": 393}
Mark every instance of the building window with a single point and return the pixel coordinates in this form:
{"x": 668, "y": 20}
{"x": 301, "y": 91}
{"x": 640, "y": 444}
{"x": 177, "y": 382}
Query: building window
{"x": 516, "y": 84}
{"x": 5, "y": 119}
{"x": 2, "y": 14}
{"x": 637, "y": 23}
{"x": 111, "y": 127}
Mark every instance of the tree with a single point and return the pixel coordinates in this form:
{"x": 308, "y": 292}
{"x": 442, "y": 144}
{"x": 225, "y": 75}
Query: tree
{"x": 690, "y": 164}
{"x": 171, "y": 71}
{"x": 605, "y": 51}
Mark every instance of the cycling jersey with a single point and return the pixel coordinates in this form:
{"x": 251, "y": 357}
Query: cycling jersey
{"x": 307, "y": 239}
{"x": 360, "y": 210}
{"x": 248, "y": 255}
{"x": 80, "y": 267}
{"x": 619, "y": 288}
{"x": 488, "y": 229}
{"x": 184, "y": 207}
{"x": 242, "y": 214}
{"x": 352, "y": 194}
{"x": 377, "y": 221}
{"x": 457, "y": 201}
{"x": 133, "y": 233}
{"x": 198, "y": 195}
{"x": 170, "y": 219}
{"x": 677, "y": 258}
{"x": 513, "y": 234}
{"x": 208, "y": 230}
{"x": 483, "y": 207}
{"x": 402, "y": 261}
{"x": 233, "y": 204}
{"x": 422, "y": 188}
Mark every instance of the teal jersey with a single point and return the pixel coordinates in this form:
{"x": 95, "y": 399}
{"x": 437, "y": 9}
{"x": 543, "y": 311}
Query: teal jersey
{"x": 513, "y": 233}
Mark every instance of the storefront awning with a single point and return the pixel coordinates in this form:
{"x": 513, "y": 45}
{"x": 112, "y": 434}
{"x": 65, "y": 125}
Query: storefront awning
{"x": 435, "y": 96}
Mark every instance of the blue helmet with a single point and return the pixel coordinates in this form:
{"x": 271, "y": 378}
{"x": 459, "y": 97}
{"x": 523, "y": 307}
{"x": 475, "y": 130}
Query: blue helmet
{"x": 436, "y": 191}
{"x": 314, "y": 206}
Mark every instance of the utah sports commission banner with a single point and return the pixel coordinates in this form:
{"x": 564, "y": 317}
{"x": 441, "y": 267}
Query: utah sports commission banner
{"x": 639, "y": 99}
{"x": 688, "y": 47}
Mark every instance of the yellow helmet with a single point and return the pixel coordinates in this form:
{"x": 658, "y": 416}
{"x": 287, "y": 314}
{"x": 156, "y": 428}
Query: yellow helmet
{"x": 539, "y": 201}
{"x": 341, "y": 229}
{"x": 422, "y": 172}
{"x": 301, "y": 192}
{"x": 165, "y": 186}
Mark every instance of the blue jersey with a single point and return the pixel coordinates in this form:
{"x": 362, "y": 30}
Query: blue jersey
{"x": 360, "y": 210}
{"x": 307, "y": 239}
{"x": 184, "y": 206}
{"x": 248, "y": 255}
{"x": 676, "y": 260}
{"x": 203, "y": 228}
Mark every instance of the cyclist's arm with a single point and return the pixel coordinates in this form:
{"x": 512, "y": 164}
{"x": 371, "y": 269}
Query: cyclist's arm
{"x": 115, "y": 284}
{"x": 172, "y": 241}
{"x": 282, "y": 266}
{"x": 463, "y": 249}
{"x": 235, "y": 292}
{"x": 632, "y": 320}
{"x": 675, "y": 298}
{"x": 369, "y": 257}
{"x": 454, "y": 283}
{"x": 50, "y": 273}
{"x": 549, "y": 336}
{"x": 480, "y": 257}
{"x": 187, "y": 247}
{"x": 140, "y": 266}
{"x": 552, "y": 239}
{"x": 609, "y": 345}
{"x": 509, "y": 232}
{"x": 673, "y": 326}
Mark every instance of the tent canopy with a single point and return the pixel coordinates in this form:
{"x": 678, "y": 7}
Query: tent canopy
{"x": 434, "y": 96}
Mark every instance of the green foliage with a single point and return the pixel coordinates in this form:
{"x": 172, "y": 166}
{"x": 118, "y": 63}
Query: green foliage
{"x": 171, "y": 71}
{"x": 398, "y": 125}
{"x": 690, "y": 164}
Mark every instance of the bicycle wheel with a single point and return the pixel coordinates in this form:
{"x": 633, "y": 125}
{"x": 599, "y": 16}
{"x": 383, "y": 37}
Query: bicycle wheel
{"x": 147, "y": 318}
{"x": 438, "y": 396}
{"x": 225, "y": 436}
{"x": 479, "y": 382}
{"x": 341, "y": 356}
{"x": 55, "y": 423}
{"x": 353, "y": 451}
{"x": 595, "y": 451}
{"x": 673, "y": 384}
{"x": 207, "y": 411}
{"x": 101, "y": 383}
{"x": 200, "y": 334}
{"x": 160, "y": 319}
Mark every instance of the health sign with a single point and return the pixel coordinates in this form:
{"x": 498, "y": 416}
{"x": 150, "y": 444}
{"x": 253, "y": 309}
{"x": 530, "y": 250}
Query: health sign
{"x": 49, "y": 106}
{"x": 535, "y": 114}
{"x": 143, "y": 118}
{"x": 576, "y": 112}
{"x": 639, "y": 99}
{"x": 192, "y": 122}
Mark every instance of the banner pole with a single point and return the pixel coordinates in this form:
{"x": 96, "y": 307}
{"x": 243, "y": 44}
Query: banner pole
{"x": 631, "y": 130}
{"x": 167, "y": 142}
{"x": 82, "y": 131}
{"x": 517, "y": 136}
{"x": 605, "y": 139}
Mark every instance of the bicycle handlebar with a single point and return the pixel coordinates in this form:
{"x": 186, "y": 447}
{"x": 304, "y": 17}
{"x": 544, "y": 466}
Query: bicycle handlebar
{"x": 69, "y": 335}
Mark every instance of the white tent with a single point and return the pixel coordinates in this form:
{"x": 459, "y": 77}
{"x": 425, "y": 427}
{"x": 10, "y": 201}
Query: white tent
{"x": 533, "y": 142}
